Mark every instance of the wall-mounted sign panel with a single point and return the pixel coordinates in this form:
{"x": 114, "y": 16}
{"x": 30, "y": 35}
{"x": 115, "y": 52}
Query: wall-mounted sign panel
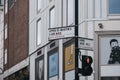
{"x": 86, "y": 44}
{"x": 53, "y": 64}
{"x": 70, "y": 57}
{"x": 61, "y": 32}
{"x": 109, "y": 47}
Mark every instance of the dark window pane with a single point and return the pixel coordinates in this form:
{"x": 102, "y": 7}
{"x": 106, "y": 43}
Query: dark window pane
{"x": 0, "y": 2}
{"x": 110, "y": 78}
{"x": 52, "y": 17}
{"x": 114, "y": 6}
{"x": 10, "y": 2}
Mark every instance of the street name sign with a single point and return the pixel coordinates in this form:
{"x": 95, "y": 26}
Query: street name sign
{"x": 61, "y": 32}
{"x": 85, "y": 44}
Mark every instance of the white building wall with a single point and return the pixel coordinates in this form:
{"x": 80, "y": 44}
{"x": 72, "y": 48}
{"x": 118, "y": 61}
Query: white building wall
{"x": 44, "y": 15}
{"x": 60, "y": 9}
{"x": 32, "y": 67}
{"x": 90, "y": 11}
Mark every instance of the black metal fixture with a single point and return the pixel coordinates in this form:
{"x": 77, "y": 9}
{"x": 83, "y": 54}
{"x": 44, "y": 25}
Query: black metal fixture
{"x": 100, "y": 25}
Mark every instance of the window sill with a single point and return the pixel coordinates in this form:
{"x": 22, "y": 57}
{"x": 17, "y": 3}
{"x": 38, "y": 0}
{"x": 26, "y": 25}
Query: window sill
{"x": 114, "y": 16}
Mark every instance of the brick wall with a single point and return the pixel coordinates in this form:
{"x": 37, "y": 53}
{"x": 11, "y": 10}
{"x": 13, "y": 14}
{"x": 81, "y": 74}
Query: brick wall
{"x": 18, "y": 16}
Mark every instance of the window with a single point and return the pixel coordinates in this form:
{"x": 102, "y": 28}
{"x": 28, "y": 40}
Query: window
{"x": 11, "y": 2}
{"x": 52, "y": 17}
{"x": 6, "y": 31}
{"x": 1, "y": 2}
{"x": 114, "y": 6}
{"x": 70, "y": 11}
{"x": 39, "y": 68}
{"x": 39, "y": 32}
{"x": 53, "y": 65}
{"x": 6, "y": 6}
{"x": 38, "y": 5}
{"x": 5, "y": 59}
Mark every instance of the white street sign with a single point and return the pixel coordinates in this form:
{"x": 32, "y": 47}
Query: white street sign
{"x": 85, "y": 44}
{"x": 61, "y": 32}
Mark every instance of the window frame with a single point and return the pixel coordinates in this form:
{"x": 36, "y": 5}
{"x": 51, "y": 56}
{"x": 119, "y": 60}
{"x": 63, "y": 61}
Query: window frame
{"x": 50, "y": 53}
{"x": 52, "y": 8}
{"x": 68, "y": 12}
{"x": 39, "y": 9}
{"x": 6, "y": 6}
{"x": 37, "y": 60}
{"x": 111, "y": 16}
{"x": 6, "y": 32}
{"x": 5, "y": 56}
{"x": 109, "y": 10}
{"x": 37, "y": 42}
{"x": 1, "y": 2}
{"x": 12, "y": 4}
